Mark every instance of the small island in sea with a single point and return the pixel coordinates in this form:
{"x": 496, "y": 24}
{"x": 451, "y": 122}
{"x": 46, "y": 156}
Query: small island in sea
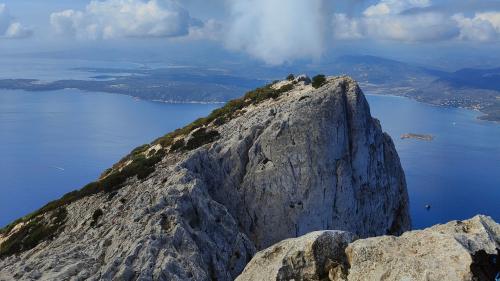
{"x": 422, "y": 137}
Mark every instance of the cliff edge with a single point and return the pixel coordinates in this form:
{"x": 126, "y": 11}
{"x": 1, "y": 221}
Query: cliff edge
{"x": 196, "y": 204}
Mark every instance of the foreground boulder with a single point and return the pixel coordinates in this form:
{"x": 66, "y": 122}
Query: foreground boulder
{"x": 196, "y": 204}
{"x": 459, "y": 251}
{"x": 313, "y": 257}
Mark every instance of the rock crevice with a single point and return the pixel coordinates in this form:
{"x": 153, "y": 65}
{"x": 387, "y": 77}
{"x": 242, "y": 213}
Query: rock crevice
{"x": 459, "y": 250}
{"x": 302, "y": 160}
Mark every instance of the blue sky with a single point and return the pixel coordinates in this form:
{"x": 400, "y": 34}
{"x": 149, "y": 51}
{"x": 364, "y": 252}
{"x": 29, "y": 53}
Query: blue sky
{"x": 273, "y": 32}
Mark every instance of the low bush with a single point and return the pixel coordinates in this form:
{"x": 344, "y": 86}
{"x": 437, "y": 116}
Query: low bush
{"x": 34, "y": 232}
{"x": 290, "y": 77}
{"x": 177, "y": 145}
{"x": 318, "y": 81}
{"x": 141, "y": 167}
{"x": 113, "y": 179}
{"x": 200, "y": 137}
{"x": 222, "y": 115}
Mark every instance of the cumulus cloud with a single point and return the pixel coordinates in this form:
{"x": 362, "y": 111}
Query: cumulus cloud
{"x": 277, "y": 31}
{"x": 10, "y": 27}
{"x": 409, "y": 28}
{"x": 482, "y": 27}
{"x": 386, "y": 20}
{"x": 415, "y": 21}
{"x": 125, "y": 18}
{"x": 387, "y": 7}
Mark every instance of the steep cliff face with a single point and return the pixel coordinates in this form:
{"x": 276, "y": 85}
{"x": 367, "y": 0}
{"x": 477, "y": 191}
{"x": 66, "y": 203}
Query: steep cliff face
{"x": 281, "y": 162}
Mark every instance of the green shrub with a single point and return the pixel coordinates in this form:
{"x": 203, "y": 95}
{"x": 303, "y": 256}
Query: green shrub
{"x": 290, "y": 77}
{"x": 318, "y": 81}
{"x": 200, "y": 137}
{"x": 113, "y": 179}
{"x": 34, "y": 232}
{"x": 177, "y": 145}
{"x": 140, "y": 149}
{"x": 285, "y": 88}
{"x": 141, "y": 167}
{"x": 222, "y": 115}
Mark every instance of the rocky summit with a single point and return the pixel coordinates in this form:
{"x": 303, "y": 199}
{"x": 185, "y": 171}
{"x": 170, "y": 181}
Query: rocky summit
{"x": 458, "y": 251}
{"x": 285, "y": 160}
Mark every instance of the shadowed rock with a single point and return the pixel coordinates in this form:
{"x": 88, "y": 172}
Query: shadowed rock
{"x": 459, "y": 251}
{"x": 294, "y": 161}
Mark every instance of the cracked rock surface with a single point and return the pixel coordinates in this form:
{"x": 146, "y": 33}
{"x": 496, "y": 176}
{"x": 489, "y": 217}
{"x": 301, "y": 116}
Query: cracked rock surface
{"x": 312, "y": 159}
{"x": 459, "y": 251}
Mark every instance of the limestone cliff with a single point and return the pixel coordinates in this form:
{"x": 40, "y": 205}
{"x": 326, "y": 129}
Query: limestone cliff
{"x": 284, "y": 160}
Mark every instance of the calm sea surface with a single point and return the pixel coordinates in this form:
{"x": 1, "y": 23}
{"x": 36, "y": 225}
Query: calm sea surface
{"x": 458, "y": 173}
{"x": 55, "y": 142}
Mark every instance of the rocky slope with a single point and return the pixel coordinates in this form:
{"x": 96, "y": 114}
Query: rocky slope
{"x": 459, "y": 251}
{"x": 284, "y": 160}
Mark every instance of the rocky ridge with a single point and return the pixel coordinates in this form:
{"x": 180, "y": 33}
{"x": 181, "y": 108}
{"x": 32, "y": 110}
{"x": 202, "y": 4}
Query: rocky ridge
{"x": 281, "y": 162}
{"x": 459, "y": 251}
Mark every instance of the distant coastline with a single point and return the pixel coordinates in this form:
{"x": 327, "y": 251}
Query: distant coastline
{"x": 197, "y": 85}
{"x": 488, "y": 111}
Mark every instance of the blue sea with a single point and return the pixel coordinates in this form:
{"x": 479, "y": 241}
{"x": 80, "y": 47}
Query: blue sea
{"x": 55, "y": 142}
{"x": 458, "y": 173}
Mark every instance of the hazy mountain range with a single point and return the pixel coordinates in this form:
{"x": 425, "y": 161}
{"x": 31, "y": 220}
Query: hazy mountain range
{"x": 471, "y": 88}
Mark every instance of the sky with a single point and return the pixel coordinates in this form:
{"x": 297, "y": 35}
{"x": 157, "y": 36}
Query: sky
{"x": 270, "y": 32}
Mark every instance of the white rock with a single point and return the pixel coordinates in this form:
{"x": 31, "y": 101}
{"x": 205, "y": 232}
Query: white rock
{"x": 309, "y": 160}
{"x": 442, "y": 252}
{"x": 311, "y": 257}
{"x": 303, "y": 78}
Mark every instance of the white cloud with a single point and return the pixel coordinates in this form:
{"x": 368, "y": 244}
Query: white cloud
{"x": 482, "y": 27}
{"x": 390, "y": 20}
{"x": 125, "y": 18}
{"x": 210, "y": 29}
{"x": 10, "y": 27}
{"x": 277, "y": 31}
{"x": 421, "y": 27}
{"x": 387, "y": 7}
{"x": 347, "y": 28}
{"x": 492, "y": 17}
{"x": 411, "y": 28}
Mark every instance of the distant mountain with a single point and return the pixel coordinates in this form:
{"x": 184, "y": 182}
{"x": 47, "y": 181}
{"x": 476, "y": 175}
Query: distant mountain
{"x": 488, "y": 79}
{"x": 377, "y": 70}
{"x": 477, "y": 89}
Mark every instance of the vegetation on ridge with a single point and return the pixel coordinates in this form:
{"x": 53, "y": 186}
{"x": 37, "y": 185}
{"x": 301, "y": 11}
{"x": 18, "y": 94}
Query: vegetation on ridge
{"x": 224, "y": 114}
{"x": 318, "y": 81}
{"x": 35, "y": 231}
{"x": 47, "y": 222}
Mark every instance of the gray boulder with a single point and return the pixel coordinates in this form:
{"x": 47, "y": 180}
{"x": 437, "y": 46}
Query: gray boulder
{"x": 458, "y": 250}
{"x": 312, "y": 257}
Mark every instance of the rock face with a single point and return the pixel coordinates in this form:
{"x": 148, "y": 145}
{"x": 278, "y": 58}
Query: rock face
{"x": 308, "y": 159}
{"x": 313, "y": 257}
{"x": 459, "y": 250}
{"x": 314, "y": 160}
